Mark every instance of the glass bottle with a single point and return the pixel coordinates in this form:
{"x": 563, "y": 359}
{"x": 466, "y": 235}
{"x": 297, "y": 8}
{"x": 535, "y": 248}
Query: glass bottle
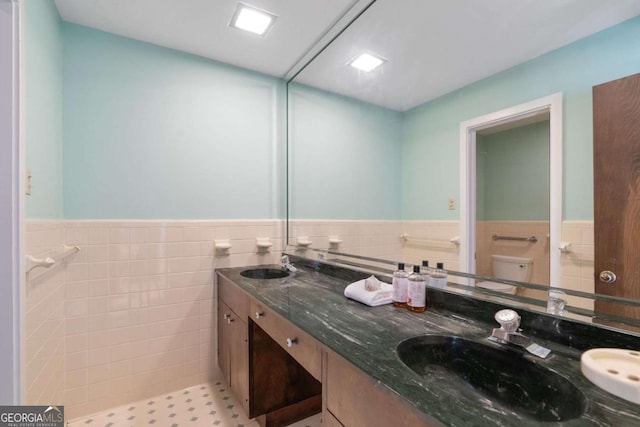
{"x": 400, "y": 286}
{"x": 426, "y": 272}
{"x": 439, "y": 277}
{"x": 416, "y": 292}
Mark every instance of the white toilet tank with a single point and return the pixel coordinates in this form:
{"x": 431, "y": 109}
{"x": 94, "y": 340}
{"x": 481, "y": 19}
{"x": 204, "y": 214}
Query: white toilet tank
{"x": 511, "y": 267}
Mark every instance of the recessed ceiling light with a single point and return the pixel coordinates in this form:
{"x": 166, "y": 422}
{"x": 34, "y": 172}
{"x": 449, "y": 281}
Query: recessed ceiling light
{"x": 367, "y": 62}
{"x": 250, "y": 19}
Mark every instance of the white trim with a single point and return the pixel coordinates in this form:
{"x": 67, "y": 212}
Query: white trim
{"x": 468, "y": 129}
{"x": 11, "y": 201}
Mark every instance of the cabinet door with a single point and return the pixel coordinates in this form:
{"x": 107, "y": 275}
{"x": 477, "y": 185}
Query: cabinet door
{"x": 357, "y": 400}
{"x": 239, "y": 355}
{"x": 224, "y": 357}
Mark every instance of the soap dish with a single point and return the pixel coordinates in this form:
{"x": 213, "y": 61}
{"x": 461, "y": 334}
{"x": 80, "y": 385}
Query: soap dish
{"x": 614, "y": 370}
{"x": 263, "y": 243}
{"x": 222, "y": 244}
{"x": 303, "y": 241}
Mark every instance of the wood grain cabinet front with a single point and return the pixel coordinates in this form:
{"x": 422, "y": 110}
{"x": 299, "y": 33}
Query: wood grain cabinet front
{"x": 234, "y": 297}
{"x": 233, "y": 351}
{"x": 353, "y": 399}
{"x": 302, "y": 347}
{"x": 275, "y": 369}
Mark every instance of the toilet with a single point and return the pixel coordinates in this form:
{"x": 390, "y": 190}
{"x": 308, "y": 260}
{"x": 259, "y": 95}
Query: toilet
{"x": 510, "y": 268}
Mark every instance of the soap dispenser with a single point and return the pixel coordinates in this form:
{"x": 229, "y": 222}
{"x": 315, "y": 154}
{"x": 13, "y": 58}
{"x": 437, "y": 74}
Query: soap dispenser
{"x": 400, "y": 286}
{"x": 426, "y": 272}
{"x": 439, "y": 277}
{"x": 417, "y": 293}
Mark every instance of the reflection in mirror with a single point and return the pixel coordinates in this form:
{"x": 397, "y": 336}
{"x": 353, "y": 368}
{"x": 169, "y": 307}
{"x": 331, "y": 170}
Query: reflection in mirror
{"x": 374, "y": 158}
{"x": 512, "y": 204}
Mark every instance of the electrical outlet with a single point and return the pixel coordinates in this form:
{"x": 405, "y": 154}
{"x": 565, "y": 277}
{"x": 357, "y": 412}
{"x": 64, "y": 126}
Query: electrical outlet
{"x": 452, "y": 204}
{"x": 27, "y": 183}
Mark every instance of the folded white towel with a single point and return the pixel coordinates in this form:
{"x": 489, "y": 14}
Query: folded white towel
{"x": 358, "y": 292}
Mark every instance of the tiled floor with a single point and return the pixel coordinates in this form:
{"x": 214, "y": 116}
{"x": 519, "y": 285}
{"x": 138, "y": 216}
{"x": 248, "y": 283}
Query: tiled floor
{"x": 201, "y": 405}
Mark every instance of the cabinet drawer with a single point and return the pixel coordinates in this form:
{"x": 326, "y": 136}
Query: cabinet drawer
{"x": 234, "y": 297}
{"x": 298, "y": 344}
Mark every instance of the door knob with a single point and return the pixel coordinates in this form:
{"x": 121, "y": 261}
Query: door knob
{"x": 607, "y": 276}
{"x": 291, "y": 341}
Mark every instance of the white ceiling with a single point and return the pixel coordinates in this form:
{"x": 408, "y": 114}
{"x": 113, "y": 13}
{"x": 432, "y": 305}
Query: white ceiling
{"x": 202, "y": 27}
{"x": 433, "y": 47}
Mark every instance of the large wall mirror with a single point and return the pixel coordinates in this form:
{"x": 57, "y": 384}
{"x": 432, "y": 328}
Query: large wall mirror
{"x": 375, "y": 156}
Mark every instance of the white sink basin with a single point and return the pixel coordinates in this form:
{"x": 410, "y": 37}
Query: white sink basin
{"x": 614, "y": 370}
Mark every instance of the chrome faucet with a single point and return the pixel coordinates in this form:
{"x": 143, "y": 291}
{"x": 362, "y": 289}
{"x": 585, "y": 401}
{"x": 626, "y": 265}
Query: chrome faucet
{"x": 286, "y": 264}
{"x": 509, "y": 332}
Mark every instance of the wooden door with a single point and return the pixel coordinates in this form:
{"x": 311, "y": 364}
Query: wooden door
{"x": 616, "y": 156}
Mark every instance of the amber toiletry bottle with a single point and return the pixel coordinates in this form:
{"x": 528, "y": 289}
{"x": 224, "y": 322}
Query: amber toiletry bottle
{"x": 400, "y": 286}
{"x": 416, "y": 295}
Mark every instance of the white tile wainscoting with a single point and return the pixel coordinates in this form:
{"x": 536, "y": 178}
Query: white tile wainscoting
{"x": 132, "y": 314}
{"x": 577, "y": 264}
{"x": 377, "y": 239}
{"x": 43, "y": 318}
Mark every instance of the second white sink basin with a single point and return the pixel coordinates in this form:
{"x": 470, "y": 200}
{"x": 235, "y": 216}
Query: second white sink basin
{"x": 614, "y": 370}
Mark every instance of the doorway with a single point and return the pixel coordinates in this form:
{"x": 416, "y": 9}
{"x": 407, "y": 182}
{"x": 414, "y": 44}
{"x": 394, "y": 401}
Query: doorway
{"x": 512, "y": 199}
{"x": 547, "y": 108}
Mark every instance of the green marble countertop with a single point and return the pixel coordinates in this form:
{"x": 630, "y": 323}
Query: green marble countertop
{"x": 367, "y": 337}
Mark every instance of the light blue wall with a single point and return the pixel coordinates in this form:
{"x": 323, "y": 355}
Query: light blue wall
{"x": 344, "y": 157}
{"x": 42, "y": 86}
{"x": 155, "y": 133}
{"x": 432, "y": 130}
{"x": 512, "y": 172}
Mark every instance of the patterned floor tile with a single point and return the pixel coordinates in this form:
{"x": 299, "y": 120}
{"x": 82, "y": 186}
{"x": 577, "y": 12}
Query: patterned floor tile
{"x": 197, "y": 406}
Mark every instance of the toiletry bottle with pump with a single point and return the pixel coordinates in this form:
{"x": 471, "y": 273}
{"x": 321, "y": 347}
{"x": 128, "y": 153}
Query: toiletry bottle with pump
{"x": 400, "y": 286}
{"x": 439, "y": 276}
{"x": 417, "y": 293}
{"x": 426, "y": 272}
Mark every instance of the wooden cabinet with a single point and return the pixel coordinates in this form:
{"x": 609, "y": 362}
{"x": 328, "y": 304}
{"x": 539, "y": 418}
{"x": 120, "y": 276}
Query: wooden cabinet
{"x": 275, "y": 369}
{"x": 353, "y": 399}
{"x": 330, "y": 421}
{"x": 233, "y": 351}
{"x": 303, "y": 348}
{"x": 272, "y": 384}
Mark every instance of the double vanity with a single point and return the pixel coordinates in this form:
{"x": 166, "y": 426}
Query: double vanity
{"x": 291, "y": 345}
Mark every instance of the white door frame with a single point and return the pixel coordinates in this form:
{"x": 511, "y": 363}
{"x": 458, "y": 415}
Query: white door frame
{"x": 11, "y": 205}
{"x": 468, "y": 129}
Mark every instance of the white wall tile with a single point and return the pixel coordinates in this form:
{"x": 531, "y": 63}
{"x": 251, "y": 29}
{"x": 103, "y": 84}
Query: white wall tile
{"x": 139, "y": 310}
{"x": 96, "y": 253}
{"x": 139, "y": 235}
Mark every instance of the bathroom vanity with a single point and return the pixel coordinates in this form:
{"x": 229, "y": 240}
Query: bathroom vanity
{"x": 298, "y": 340}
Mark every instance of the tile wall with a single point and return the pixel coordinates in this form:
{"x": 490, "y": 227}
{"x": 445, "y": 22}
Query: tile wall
{"x": 577, "y": 263}
{"x": 131, "y": 315}
{"x": 139, "y": 308}
{"x": 44, "y": 317}
{"x": 376, "y": 239}
{"x": 431, "y": 240}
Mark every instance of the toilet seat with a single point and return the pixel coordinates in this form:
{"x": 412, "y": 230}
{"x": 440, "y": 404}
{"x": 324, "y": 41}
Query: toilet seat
{"x": 497, "y": 287}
